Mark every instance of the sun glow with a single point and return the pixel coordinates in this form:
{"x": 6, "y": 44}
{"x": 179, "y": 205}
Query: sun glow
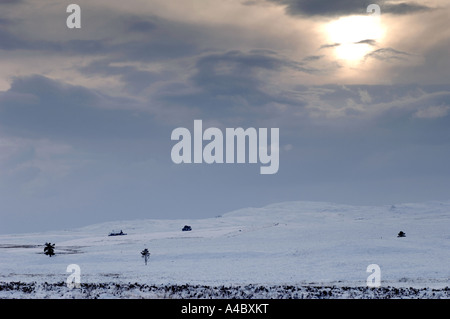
{"x": 354, "y": 36}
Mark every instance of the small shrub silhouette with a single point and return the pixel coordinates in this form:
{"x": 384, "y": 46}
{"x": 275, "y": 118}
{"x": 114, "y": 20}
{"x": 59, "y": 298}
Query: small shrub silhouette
{"x": 49, "y": 249}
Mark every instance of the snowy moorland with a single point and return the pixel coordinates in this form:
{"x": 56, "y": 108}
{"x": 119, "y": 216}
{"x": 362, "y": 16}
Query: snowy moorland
{"x": 285, "y": 250}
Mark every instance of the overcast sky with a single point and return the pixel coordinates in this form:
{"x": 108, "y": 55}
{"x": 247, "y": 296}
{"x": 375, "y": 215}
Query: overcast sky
{"x": 362, "y": 103}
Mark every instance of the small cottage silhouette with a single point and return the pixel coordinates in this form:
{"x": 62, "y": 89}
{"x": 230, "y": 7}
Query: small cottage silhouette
{"x": 116, "y": 233}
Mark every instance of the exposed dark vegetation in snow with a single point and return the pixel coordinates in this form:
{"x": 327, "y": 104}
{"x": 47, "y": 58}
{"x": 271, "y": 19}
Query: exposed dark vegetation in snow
{"x": 113, "y": 290}
{"x": 284, "y": 250}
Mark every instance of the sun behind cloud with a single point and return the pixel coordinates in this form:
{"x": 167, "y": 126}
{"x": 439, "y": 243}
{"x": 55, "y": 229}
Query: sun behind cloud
{"x": 354, "y": 36}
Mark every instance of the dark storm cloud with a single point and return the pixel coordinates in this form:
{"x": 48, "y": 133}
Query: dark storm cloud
{"x": 10, "y": 41}
{"x": 327, "y": 46}
{"x": 39, "y": 106}
{"x": 404, "y": 8}
{"x": 345, "y": 7}
{"x": 143, "y": 38}
{"x": 368, "y": 41}
{"x": 312, "y": 58}
{"x": 10, "y": 2}
{"x": 104, "y": 155}
{"x": 387, "y": 54}
{"x": 132, "y": 37}
{"x": 237, "y": 82}
{"x": 324, "y": 7}
{"x": 237, "y": 72}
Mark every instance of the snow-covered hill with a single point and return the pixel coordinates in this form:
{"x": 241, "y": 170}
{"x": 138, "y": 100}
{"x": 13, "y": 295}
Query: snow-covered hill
{"x": 292, "y": 243}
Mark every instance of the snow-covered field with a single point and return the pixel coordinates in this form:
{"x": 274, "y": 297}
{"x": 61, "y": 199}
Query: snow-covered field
{"x": 292, "y": 249}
